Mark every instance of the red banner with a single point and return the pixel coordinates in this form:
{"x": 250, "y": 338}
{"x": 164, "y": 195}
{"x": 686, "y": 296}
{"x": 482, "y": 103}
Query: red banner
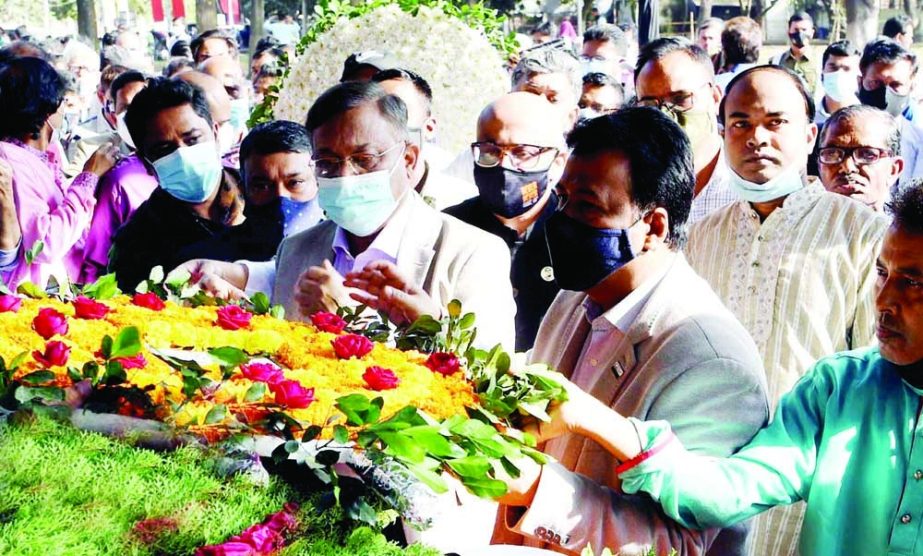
{"x": 157, "y": 9}
{"x": 179, "y": 9}
{"x": 230, "y": 8}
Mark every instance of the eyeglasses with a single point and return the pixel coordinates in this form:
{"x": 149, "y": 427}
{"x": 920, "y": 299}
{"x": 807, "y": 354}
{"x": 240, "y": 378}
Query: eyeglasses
{"x": 520, "y": 157}
{"x": 679, "y": 102}
{"x": 362, "y": 163}
{"x": 861, "y": 155}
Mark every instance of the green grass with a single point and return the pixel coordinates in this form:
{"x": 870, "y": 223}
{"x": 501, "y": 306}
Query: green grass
{"x": 63, "y": 492}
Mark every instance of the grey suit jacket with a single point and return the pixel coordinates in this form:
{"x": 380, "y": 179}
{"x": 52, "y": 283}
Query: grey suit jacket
{"x": 447, "y": 258}
{"x": 687, "y": 360}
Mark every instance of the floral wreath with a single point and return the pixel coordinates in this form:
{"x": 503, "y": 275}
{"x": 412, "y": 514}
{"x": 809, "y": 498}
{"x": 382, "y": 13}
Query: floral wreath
{"x": 459, "y": 49}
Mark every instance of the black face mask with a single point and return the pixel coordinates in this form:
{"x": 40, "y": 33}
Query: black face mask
{"x": 875, "y": 98}
{"x": 509, "y": 193}
{"x": 798, "y": 39}
{"x": 583, "y": 256}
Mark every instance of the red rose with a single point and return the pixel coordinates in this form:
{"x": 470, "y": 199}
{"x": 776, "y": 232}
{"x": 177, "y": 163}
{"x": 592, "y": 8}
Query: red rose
{"x": 135, "y": 362}
{"x": 328, "y": 322}
{"x": 148, "y": 300}
{"x": 49, "y": 322}
{"x": 262, "y": 372}
{"x": 229, "y": 548}
{"x": 232, "y": 317}
{"x": 55, "y": 355}
{"x": 292, "y": 394}
{"x": 443, "y": 363}
{"x": 352, "y": 345}
{"x": 86, "y": 308}
{"x": 10, "y": 303}
{"x": 263, "y": 539}
{"x": 284, "y": 520}
{"x": 379, "y": 378}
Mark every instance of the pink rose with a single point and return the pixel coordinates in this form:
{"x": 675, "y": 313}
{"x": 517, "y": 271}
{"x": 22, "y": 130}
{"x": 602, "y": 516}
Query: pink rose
{"x": 328, "y": 322}
{"x": 443, "y": 363}
{"x": 292, "y": 394}
{"x": 262, "y": 372}
{"x": 134, "y": 362}
{"x": 352, "y": 345}
{"x": 55, "y": 355}
{"x": 232, "y": 317}
{"x": 379, "y": 378}
{"x": 261, "y": 538}
{"x": 148, "y": 300}
{"x": 10, "y": 303}
{"x": 49, "y": 322}
{"x": 229, "y": 548}
{"x": 90, "y": 309}
{"x": 284, "y": 520}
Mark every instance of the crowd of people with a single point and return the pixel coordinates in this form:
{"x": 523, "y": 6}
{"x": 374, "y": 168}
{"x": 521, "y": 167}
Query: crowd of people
{"x": 722, "y": 258}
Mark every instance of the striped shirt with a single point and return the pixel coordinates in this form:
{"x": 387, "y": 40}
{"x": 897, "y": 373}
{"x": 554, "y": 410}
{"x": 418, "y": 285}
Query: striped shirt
{"x": 802, "y": 283}
{"x": 717, "y": 193}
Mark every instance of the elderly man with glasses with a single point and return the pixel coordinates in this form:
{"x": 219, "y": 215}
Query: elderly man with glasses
{"x": 382, "y": 246}
{"x": 859, "y": 155}
{"x": 518, "y": 159}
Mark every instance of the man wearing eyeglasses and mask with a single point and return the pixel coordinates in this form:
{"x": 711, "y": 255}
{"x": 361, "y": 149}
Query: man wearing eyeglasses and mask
{"x": 859, "y": 155}
{"x": 677, "y": 76}
{"x": 638, "y": 330}
{"x": 518, "y": 158}
{"x": 382, "y": 245}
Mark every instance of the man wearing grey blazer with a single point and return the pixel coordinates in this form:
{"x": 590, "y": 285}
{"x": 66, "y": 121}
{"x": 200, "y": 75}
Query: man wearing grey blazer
{"x": 641, "y": 332}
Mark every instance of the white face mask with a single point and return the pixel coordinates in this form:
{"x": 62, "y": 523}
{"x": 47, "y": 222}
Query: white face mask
{"x": 840, "y": 86}
{"x": 896, "y": 102}
{"x": 122, "y": 129}
{"x": 587, "y": 114}
{"x": 785, "y": 183}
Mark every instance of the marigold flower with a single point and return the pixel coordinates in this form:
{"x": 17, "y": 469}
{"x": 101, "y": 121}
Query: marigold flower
{"x": 49, "y": 322}
{"x": 262, "y": 372}
{"x": 55, "y": 355}
{"x": 292, "y": 394}
{"x": 379, "y": 378}
{"x": 90, "y": 309}
{"x": 233, "y": 317}
{"x": 10, "y": 303}
{"x": 443, "y": 363}
{"x": 352, "y": 345}
{"x": 328, "y": 322}
{"x": 149, "y": 300}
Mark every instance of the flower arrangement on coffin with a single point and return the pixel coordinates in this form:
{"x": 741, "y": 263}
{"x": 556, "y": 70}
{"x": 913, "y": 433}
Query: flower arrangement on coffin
{"x": 393, "y": 404}
{"x": 459, "y": 48}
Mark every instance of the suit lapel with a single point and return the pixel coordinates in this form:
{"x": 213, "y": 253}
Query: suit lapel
{"x": 418, "y": 243}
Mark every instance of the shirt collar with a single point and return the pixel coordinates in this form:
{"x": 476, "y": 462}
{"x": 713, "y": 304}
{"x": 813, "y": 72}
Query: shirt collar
{"x": 388, "y": 240}
{"x": 626, "y": 311}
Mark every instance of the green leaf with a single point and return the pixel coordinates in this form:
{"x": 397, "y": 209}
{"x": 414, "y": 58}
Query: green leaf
{"x": 471, "y": 466}
{"x": 91, "y": 370}
{"x": 115, "y": 373}
{"x": 17, "y": 361}
{"x": 429, "y": 478}
{"x": 34, "y": 251}
{"x": 359, "y": 410}
{"x": 156, "y": 276}
{"x": 340, "y": 434}
{"x": 467, "y": 321}
{"x": 402, "y": 447}
{"x": 311, "y": 433}
{"x": 105, "y": 287}
{"x": 26, "y": 394}
{"x": 229, "y": 356}
{"x": 31, "y": 290}
{"x": 429, "y": 438}
{"x": 216, "y": 414}
{"x": 260, "y": 303}
{"x": 484, "y": 487}
{"x": 106, "y": 347}
{"x": 177, "y": 280}
{"x": 127, "y": 343}
{"x": 74, "y": 374}
{"x": 327, "y": 457}
{"x": 360, "y": 510}
{"x": 277, "y": 312}
{"x": 38, "y": 377}
{"x": 510, "y": 468}
{"x": 256, "y": 392}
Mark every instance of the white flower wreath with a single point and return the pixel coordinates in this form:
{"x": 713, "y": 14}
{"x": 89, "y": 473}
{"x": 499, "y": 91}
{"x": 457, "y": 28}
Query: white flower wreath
{"x": 464, "y": 70}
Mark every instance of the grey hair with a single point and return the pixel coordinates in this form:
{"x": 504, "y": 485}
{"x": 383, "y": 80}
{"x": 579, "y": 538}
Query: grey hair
{"x": 860, "y": 111}
{"x": 550, "y": 60}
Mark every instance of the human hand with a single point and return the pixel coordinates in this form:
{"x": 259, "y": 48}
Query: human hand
{"x": 519, "y": 490}
{"x": 320, "y": 288}
{"x": 103, "y": 159}
{"x": 384, "y": 288}
{"x": 6, "y": 180}
{"x": 218, "y": 279}
{"x": 576, "y": 415}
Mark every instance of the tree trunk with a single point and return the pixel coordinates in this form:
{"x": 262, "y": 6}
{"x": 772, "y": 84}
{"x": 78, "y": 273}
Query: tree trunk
{"x": 206, "y": 14}
{"x": 86, "y": 21}
{"x": 910, "y": 8}
{"x": 257, "y": 15}
{"x": 861, "y": 20}
{"x": 704, "y": 11}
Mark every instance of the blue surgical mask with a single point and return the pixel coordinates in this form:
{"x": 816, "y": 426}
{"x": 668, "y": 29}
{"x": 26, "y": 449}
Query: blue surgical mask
{"x": 583, "y": 256}
{"x": 840, "y": 86}
{"x": 785, "y": 183}
{"x": 298, "y": 215}
{"x": 359, "y": 204}
{"x": 190, "y": 174}
{"x": 240, "y": 112}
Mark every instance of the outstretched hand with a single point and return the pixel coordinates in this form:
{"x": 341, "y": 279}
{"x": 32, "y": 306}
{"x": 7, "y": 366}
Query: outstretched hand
{"x": 383, "y": 287}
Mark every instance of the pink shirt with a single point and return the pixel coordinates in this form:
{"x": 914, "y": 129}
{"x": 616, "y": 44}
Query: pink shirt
{"x": 49, "y": 211}
{"x": 121, "y": 192}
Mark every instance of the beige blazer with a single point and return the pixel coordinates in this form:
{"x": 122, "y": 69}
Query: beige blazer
{"x": 447, "y": 258}
{"x": 686, "y": 360}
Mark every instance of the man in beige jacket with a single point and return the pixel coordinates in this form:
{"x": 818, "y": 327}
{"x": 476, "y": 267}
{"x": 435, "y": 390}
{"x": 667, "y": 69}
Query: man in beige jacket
{"x": 382, "y": 245}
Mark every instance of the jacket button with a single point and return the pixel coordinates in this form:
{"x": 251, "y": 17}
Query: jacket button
{"x": 905, "y": 518}
{"x": 918, "y": 474}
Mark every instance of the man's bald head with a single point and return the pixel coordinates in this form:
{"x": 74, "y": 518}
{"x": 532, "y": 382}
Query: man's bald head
{"x": 228, "y": 72}
{"x": 219, "y": 103}
{"x": 521, "y": 118}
